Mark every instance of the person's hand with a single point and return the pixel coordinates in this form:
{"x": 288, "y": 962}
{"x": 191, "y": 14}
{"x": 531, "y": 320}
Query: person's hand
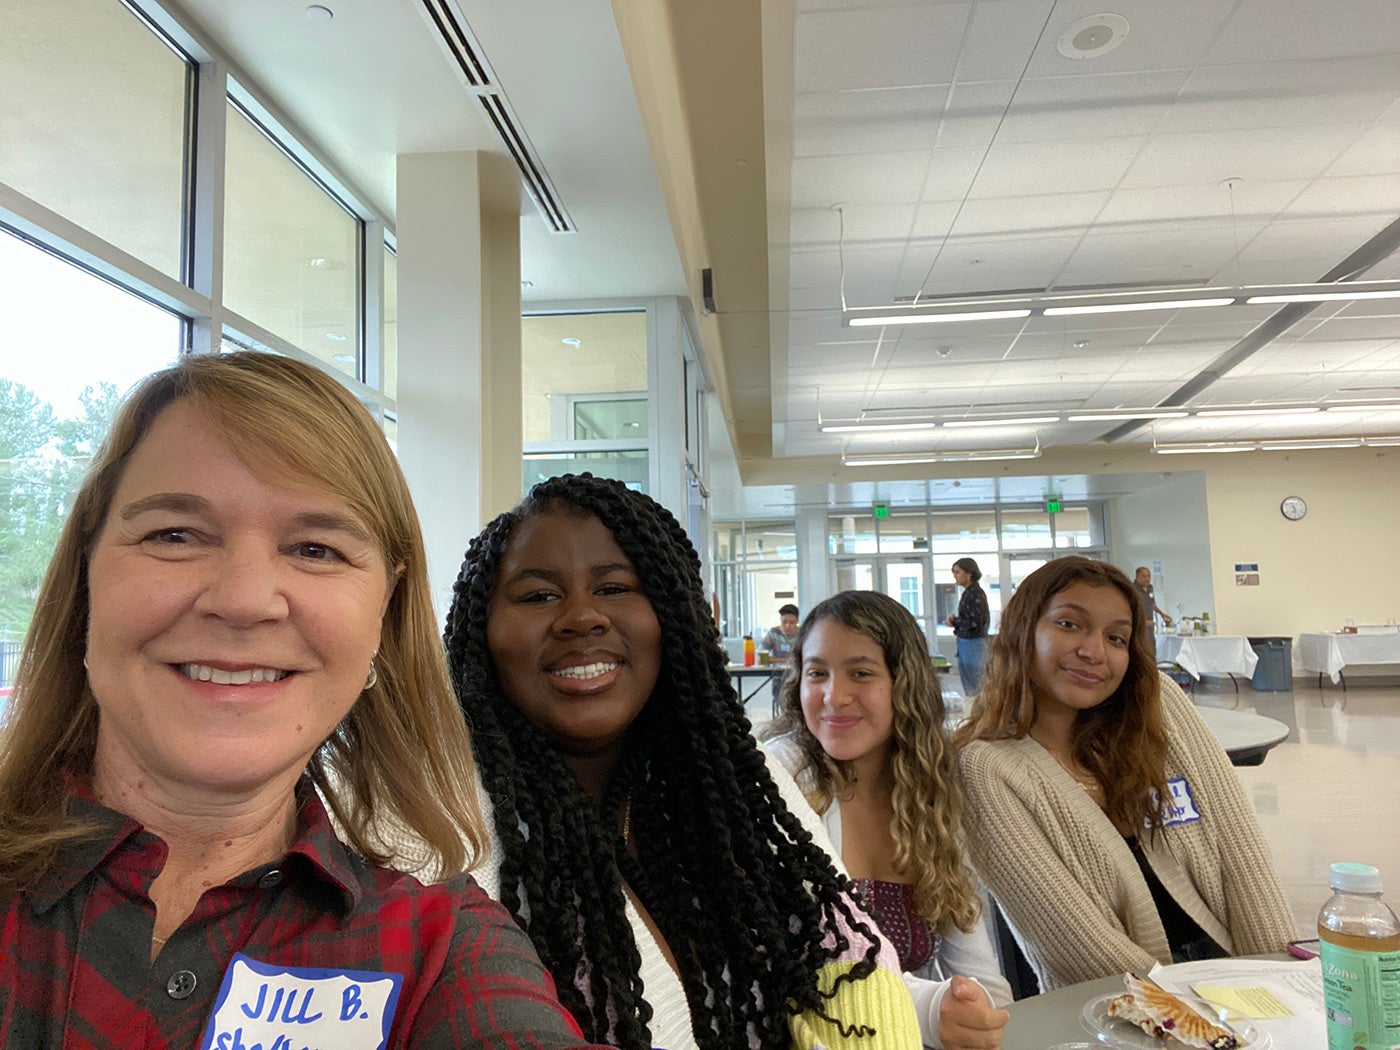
{"x": 949, "y": 619}
{"x": 1167, "y": 620}
{"x": 967, "y": 1019}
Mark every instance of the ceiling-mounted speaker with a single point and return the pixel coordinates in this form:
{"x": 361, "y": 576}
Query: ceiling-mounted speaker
{"x": 707, "y": 289}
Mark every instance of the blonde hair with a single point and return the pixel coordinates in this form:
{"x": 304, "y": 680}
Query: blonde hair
{"x": 927, "y": 823}
{"x": 400, "y": 758}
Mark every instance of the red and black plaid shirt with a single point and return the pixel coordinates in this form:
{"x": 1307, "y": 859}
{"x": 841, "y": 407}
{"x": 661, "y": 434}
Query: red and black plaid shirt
{"x": 75, "y": 969}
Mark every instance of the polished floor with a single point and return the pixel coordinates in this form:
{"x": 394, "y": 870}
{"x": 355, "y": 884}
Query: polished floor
{"x": 1330, "y": 792}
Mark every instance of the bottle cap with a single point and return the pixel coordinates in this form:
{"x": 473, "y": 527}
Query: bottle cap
{"x": 1355, "y": 878}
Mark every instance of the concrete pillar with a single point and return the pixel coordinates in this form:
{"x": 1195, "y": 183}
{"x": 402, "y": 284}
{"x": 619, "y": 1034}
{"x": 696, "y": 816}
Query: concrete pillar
{"x": 458, "y": 230}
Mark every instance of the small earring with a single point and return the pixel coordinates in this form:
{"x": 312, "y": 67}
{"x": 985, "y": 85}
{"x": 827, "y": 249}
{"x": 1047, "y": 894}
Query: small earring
{"x": 373, "y": 679}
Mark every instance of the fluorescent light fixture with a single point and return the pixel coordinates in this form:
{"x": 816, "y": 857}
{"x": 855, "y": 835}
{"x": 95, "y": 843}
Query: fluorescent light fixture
{"x": 1393, "y": 406}
{"x": 1293, "y": 411}
{"x": 895, "y": 459}
{"x": 1003, "y": 421}
{"x": 1182, "y": 450}
{"x": 995, "y": 306}
{"x": 1288, "y": 445}
{"x": 1123, "y": 308}
{"x": 912, "y": 317}
{"x": 853, "y": 428}
{"x": 1110, "y": 416}
{"x": 1326, "y": 296}
{"x": 1381, "y": 442}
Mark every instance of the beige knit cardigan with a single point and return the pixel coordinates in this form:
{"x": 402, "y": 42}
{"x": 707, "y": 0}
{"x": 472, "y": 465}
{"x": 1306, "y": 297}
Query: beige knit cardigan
{"x": 1070, "y": 886}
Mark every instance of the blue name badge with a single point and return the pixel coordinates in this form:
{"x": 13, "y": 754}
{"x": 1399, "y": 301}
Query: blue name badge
{"x": 1181, "y": 809}
{"x": 262, "y": 1007}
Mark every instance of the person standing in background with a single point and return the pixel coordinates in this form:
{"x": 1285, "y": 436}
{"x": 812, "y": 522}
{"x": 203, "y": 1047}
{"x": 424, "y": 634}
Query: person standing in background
{"x": 970, "y": 623}
{"x": 1142, "y": 583}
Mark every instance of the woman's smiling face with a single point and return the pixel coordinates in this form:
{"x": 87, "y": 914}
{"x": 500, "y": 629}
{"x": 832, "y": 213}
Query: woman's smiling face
{"x": 1081, "y": 647}
{"x": 233, "y": 616}
{"x": 573, "y": 637}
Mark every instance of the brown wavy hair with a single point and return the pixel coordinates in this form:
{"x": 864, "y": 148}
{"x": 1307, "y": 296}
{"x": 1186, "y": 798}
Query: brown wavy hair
{"x": 1122, "y": 741}
{"x": 927, "y": 822}
{"x": 401, "y": 758}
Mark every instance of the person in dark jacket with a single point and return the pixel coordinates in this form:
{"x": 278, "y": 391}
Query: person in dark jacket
{"x": 969, "y": 624}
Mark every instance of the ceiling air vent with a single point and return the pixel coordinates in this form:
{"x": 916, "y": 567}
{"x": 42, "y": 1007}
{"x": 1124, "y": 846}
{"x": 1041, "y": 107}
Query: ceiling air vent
{"x": 456, "y": 38}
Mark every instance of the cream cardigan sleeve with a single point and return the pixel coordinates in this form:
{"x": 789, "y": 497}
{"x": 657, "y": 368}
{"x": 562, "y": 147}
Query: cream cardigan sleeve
{"x": 1038, "y": 848}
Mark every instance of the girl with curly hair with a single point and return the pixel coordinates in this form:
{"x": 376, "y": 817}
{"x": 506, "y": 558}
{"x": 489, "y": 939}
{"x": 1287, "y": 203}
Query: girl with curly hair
{"x": 862, "y": 730}
{"x": 1102, "y": 813}
{"x": 639, "y": 837}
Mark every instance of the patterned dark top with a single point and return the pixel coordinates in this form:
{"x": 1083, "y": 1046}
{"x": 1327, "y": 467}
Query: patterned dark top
{"x": 892, "y": 904}
{"x": 75, "y": 967}
{"x": 973, "y": 616}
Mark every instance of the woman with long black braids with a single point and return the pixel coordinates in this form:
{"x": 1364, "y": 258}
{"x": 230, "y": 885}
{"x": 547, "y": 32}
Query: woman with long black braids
{"x": 639, "y": 837}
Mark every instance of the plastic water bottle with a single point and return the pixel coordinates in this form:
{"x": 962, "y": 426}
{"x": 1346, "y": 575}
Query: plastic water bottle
{"x": 1360, "y": 949}
{"x": 748, "y": 650}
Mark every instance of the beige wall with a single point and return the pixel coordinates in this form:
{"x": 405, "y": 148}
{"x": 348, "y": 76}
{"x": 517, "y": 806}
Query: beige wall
{"x": 1342, "y": 560}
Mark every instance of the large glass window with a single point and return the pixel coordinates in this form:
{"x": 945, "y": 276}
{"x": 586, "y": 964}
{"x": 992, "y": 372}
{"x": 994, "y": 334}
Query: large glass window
{"x": 94, "y": 120}
{"x": 756, "y": 572}
{"x": 59, "y": 385}
{"x": 389, "y": 338}
{"x": 584, "y": 395}
{"x": 291, "y": 250}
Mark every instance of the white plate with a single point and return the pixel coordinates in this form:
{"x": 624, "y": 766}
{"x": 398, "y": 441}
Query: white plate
{"x": 1124, "y": 1035}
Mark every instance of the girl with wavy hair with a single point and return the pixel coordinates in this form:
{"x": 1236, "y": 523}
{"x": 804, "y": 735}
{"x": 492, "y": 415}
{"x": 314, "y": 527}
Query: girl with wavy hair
{"x": 862, "y": 730}
{"x": 639, "y": 837}
{"x": 1104, "y": 816}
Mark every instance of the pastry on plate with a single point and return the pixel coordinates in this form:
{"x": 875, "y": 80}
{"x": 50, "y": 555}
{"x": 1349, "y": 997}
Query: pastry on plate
{"x": 1159, "y": 1013}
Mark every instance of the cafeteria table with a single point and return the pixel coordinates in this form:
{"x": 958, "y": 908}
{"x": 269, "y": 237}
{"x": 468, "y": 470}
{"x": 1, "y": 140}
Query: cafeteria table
{"x": 1201, "y": 654}
{"x": 1329, "y": 653}
{"x": 1246, "y": 737}
{"x": 762, "y": 673}
{"x": 1052, "y": 1018}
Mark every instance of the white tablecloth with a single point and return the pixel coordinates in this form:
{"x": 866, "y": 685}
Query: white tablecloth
{"x": 1215, "y": 654}
{"x": 1329, "y": 653}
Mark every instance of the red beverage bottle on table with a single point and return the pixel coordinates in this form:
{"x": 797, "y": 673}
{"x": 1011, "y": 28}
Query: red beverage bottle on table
{"x": 1360, "y": 949}
{"x": 748, "y": 650}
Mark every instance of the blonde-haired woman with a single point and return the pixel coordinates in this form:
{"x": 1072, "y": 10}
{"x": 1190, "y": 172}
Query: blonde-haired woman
{"x": 233, "y": 651}
{"x": 862, "y": 730}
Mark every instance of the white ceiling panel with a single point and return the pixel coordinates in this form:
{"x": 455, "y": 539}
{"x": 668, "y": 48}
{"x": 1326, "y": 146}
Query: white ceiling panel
{"x": 1050, "y": 213}
{"x": 1087, "y": 164}
{"x": 1292, "y": 30}
{"x": 830, "y": 123}
{"x": 883, "y": 178}
{"x": 1210, "y": 157}
{"x": 1052, "y": 109}
{"x": 973, "y": 115}
{"x": 1160, "y": 36}
{"x": 861, "y": 48}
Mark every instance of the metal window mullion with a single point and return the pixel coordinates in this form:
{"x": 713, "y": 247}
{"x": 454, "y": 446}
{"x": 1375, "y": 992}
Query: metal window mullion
{"x": 372, "y": 304}
{"x": 207, "y": 213}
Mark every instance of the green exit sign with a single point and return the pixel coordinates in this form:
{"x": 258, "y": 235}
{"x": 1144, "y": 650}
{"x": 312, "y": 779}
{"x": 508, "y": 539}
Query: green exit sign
{"x": 1053, "y": 506}
{"x": 882, "y": 510}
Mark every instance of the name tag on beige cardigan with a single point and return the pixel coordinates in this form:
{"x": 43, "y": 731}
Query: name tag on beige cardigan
{"x": 1181, "y": 807}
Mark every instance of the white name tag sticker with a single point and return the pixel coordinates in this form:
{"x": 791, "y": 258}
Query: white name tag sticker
{"x": 1181, "y": 808}
{"x": 262, "y": 1007}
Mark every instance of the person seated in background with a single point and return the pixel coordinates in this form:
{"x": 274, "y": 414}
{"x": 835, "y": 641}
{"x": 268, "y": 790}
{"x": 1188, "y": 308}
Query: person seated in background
{"x": 1103, "y": 815}
{"x": 234, "y": 637}
{"x": 862, "y": 731}
{"x": 777, "y": 643}
{"x": 641, "y": 840}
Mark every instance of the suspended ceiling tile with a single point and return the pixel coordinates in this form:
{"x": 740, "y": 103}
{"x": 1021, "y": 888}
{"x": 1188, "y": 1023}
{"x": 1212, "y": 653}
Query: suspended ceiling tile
{"x": 885, "y": 178}
{"x": 1377, "y": 195}
{"x": 1250, "y": 202}
{"x": 1087, "y": 107}
{"x": 1209, "y": 157}
{"x": 1089, "y": 164}
{"x": 1274, "y": 30}
{"x": 877, "y": 47}
{"x": 950, "y": 173}
{"x": 1160, "y": 36}
{"x": 831, "y": 123}
{"x": 1030, "y": 215}
{"x": 1375, "y": 152}
{"x": 973, "y": 115}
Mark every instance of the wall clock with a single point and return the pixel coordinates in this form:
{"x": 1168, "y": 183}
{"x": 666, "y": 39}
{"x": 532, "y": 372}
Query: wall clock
{"x": 1293, "y": 508}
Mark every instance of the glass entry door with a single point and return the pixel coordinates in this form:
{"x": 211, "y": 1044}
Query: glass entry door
{"x": 905, "y": 578}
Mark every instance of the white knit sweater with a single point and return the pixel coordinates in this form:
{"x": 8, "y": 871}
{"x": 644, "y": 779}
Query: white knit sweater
{"x": 1070, "y": 886}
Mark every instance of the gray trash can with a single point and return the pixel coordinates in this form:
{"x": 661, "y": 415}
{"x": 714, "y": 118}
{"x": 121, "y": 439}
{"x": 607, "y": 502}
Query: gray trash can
{"x": 1274, "y": 672}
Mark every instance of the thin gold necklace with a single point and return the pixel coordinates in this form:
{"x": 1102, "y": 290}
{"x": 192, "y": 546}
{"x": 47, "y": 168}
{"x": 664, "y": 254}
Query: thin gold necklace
{"x": 1087, "y": 785}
